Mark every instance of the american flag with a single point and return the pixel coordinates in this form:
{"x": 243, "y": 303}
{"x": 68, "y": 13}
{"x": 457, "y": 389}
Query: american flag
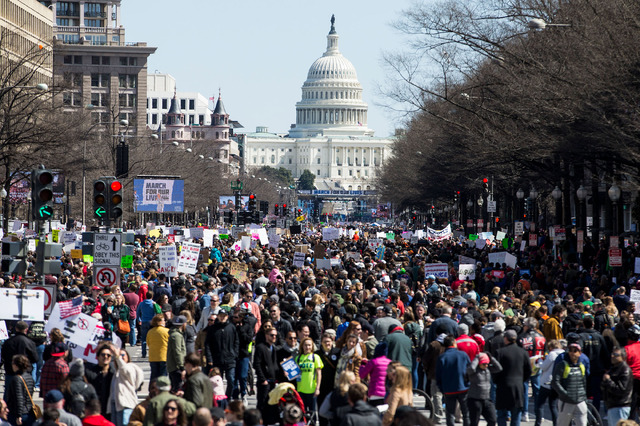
{"x": 212, "y": 98}
{"x": 70, "y": 307}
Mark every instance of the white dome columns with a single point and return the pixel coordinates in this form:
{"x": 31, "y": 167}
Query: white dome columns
{"x": 342, "y": 116}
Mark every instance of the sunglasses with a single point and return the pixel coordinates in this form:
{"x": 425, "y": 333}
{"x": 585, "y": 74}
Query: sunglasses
{"x": 273, "y": 311}
{"x": 170, "y": 408}
{"x": 616, "y": 355}
{"x": 106, "y": 355}
{"x": 272, "y": 335}
{"x": 210, "y": 320}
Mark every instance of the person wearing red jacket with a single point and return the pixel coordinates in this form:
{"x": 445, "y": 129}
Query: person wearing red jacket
{"x": 466, "y": 343}
{"x": 633, "y": 360}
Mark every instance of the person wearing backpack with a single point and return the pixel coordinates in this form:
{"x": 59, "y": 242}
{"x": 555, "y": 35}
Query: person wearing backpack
{"x": 413, "y": 330}
{"x": 76, "y": 390}
{"x": 570, "y": 382}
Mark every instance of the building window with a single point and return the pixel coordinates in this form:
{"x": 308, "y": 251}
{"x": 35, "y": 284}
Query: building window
{"x": 318, "y": 160}
{"x": 217, "y": 135}
{"x": 201, "y": 119}
{"x": 262, "y": 160}
{"x": 350, "y": 172}
{"x": 124, "y": 61}
{"x": 339, "y": 172}
{"x": 71, "y": 98}
{"x": 318, "y": 173}
{"x": 71, "y": 60}
{"x": 100, "y": 99}
{"x": 100, "y": 80}
{"x": 154, "y": 103}
{"x": 192, "y": 118}
{"x": 130, "y": 81}
{"x": 165, "y": 103}
{"x": 289, "y": 160}
{"x": 290, "y": 150}
{"x": 154, "y": 118}
{"x": 255, "y": 160}
{"x": 273, "y": 159}
{"x": 192, "y": 104}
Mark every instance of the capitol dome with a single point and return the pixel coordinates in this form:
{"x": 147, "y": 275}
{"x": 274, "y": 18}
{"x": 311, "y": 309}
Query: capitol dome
{"x": 331, "y": 101}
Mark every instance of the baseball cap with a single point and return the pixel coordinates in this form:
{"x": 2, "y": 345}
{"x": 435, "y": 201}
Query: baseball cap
{"x": 58, "y": 349}
{"x": 431, "y": 277}
{"x": 163, "y": 383}
{"x": 511, "y": 334}
{"x": 576, "y": 345}
{"x": 53, "y": 396}
{"x": 179, "y": 320}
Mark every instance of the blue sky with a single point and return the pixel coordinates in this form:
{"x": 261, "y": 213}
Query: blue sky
{"x": 259, "y": 51}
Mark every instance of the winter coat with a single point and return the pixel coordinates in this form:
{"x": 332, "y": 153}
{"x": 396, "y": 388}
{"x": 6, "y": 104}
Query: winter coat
{"x": 198, "y": 390}
{"x": 19, "y": 344}
{"x": 330, "y": 361}
{"x": 127, "y": 380}
{"x": 430, "y": 358}
{"x": 377, "y": 369}
{"x": 176, "y": 350}
{"x": 265, "y": 363}
{"x": 617, "y": 391}
{"x": 516, "y": 369}
{"x": 399, "y": 348}
{"x": 362, "y": 414}
{"x": 570, "y": 382}
{"x": 78, "y": 395}
{"x": 245, "y": 337}
{"x": 451, "y": 370}
{"x": 595, "y": 348}
{"x": 222, "y": 344}
{"x": 17, "y": 396}
{"x": 155, "y": 410}
{"x": 552, "y": 330}
{"x": 395, "y": 399}
{"x": 546, "y": 367}
{"x": 480, "y": 379}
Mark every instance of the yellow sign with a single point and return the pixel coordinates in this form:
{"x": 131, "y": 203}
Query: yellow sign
{"x": 300, "y": 218}
{"x": 55, "y": 234}
{"x": 155, "y": 233}
{"x": 76, "y": 254}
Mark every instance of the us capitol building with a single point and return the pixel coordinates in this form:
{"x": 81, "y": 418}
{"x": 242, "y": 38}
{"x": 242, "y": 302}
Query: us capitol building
{"x": 330, "y": 137}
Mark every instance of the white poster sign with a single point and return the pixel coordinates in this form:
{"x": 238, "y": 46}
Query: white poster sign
{"x": 29, "y": 302}
{"x": 208, "y": 236}
{"x": 329, "y": 234}
{"x": 188, "y": 261}
{"x": 274, "y": 240}
{"x": 503, "y": 257}
{"x": 467, "y": 271}
{"x": 439, "y": 270}
{"x": 168, "y": 260}
{"x": 374, "y": 243}
{"x": 323, "y": 263}
{"x": 196, "y": 233}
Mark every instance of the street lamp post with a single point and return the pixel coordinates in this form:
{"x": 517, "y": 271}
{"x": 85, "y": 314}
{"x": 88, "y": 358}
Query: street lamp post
{"x": 581, "y": 193}
{"x": 480, "y": 202}
{"x": 614, "y": 194}
{"x": 556, "y": 194}
{"x": 533, "y": 194}
{"x": 520, "y": 197}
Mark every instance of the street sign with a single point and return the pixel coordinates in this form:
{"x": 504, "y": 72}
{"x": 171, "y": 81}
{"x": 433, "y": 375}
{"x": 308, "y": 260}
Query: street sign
{"x": 106, "y": 249}
{"x": 49, "y": 296}
{"x": 107, "y": 276}
{"x": 615, "y": 257}
{"x": 491, "y": 206}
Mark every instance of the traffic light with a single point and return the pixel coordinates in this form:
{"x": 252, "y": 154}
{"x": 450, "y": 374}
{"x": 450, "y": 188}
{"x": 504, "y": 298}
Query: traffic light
{"x": 276, "y": 210}
{"x": 485, "y": 185}
{"x": 42, "y": 193}
{"x": 285, "y": 212}
{"x": 497, "y": 219}
{"x": 456, "y": 196}
{"x": 252, "y": 203}
{"x": 100, "y": 205}
{"x": 115, "y": 199}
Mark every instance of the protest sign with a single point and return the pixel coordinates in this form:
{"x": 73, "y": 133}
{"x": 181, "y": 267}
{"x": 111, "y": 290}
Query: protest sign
{"x": 380, "y": 253}
{"x": 239, "y": 271}
{"x": 274, "y": 240}
{"x": 320, "y": 251}
{"x": 518, "y": 228}
{"x": 207, "y": 237}
{"x": 533, "y": 240}
{"x": 291, "y": 368}
{"x": 245, "y": 242}
{"x": 196, "y": 233}
{"x": 441, "y": 234}
{"x": 168, "y": 260}
{"x": 464, "y": 260}
{"x": 353, "y": 255}
{"x": 188, "y": 260}
{"x": 636, "y": 269}
{"x": 467, "y": 271}
{"x": 439, "y": 270}
{"x": 298, "y": 259}
{"x": 329, "y": 234}
{"x": 26, "y": 305}
{"x": 374, "y": 243}
{"x": 323, "y": 263}
{"x": 480, "y": 243}
{"x": 503, "y": 257}
{"x": 500, "y": 235}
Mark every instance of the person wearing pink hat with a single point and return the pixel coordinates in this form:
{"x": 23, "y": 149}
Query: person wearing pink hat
{"x": 479, "y": 394}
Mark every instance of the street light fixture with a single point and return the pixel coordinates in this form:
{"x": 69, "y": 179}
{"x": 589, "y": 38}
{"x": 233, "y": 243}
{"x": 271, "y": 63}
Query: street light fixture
{"x": 581, "y": 193}
{"x": 469, "y": 204}
{"x": 556, "y": 193}
{"x": 614, "y": 194}
{"x": 541, "y": 24}
{"x": 520, "y": 194}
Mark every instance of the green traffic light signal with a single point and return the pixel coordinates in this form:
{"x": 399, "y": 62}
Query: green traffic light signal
{"x": 41, "y": 193}
{"x": 45, "y": 212}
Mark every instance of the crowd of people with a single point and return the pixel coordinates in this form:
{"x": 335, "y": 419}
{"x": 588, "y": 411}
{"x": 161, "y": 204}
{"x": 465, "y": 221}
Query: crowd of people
{"x": 353, "y": 340}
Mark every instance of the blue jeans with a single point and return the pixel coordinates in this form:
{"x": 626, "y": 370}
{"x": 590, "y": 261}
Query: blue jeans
{"x": 242, "y": 372}
{"x": 144, "y": 328}
{"x": 546, "y": 394}
{"x": 120, "y": 418}
{"x": 37, "y": 367}
{"x": 617, "y": 413}
{"x": 132, "y": 333}
{"x": 158, "y": 368}
{"x": 535, "y": 386}
{"x": 414, "y": 371}
{"x": 229, "y": 372}
{"x": 515, "y": 414}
